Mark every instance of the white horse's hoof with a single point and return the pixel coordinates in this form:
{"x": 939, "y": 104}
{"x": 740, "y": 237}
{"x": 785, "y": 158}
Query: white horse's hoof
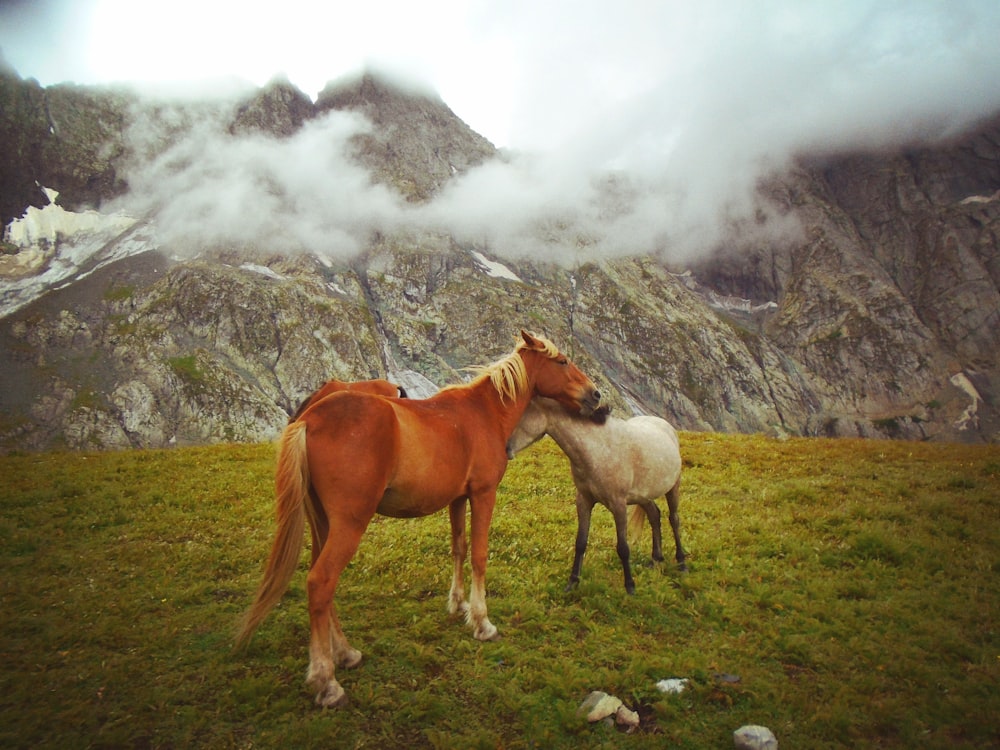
{"x": 458, "y": 607}
{"x": 331, "y": 696}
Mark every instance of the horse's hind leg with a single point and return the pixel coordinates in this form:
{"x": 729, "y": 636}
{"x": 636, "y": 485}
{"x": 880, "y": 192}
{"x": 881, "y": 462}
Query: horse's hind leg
{"x": 459, "y": 548}
{"x": 653, "y": 514}
{"x": 621, "y": 528}
{"x": 319, "y": 527}
{"x": 673, "y": 504}
{"x": 584, "y": 509}
{"x": 328, "y": 647}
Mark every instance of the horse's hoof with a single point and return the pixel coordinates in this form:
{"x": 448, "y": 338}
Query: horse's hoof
{"x": 573, "y": 583}
{"x": 332, "y": 696}
{"x": 349, "y": 659}
{"x": 629, "y": 588}
{"x": 486, "y": 632}
{"x": 682, "y": 567}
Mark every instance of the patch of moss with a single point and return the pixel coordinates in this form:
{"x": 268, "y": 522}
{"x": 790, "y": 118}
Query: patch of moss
{"x": 119, "y": 293}
{"x": 188, "y": 370}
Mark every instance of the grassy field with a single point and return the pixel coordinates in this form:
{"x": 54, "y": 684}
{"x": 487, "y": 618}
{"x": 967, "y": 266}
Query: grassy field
{"x": 843, "y": 593}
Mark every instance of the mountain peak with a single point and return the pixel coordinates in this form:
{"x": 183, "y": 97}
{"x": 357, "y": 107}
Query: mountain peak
{"x": 278, "y": 108}
{"x": 371, "y": 91}
{"x": 417, "y": 143}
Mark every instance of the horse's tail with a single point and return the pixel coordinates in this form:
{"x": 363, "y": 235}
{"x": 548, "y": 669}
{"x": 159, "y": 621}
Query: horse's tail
{"x": 291, "y": 482}
{"x": 636, "y": 521}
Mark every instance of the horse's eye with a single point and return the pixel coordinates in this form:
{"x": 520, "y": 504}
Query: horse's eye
{"x": 563, "y": 361}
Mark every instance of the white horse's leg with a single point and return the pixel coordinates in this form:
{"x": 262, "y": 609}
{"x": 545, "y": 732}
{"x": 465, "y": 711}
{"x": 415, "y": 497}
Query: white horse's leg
{"x": 584, "y": 509}
{"x": 482, "y": 516}
{"x": 654, "y": 516}
{"x": 673, "y": 504}
{"x": 456, "y": 596}
{"x": 619, "y": 511}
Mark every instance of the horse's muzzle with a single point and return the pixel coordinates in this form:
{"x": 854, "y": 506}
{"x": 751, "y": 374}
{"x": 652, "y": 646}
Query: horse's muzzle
{"x": 590, "y": 402}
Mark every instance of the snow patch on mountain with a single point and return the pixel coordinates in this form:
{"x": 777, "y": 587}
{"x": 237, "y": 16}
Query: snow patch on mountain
{"x": 40, "y": 226}
{"x": 969, "y": 417}
{"x": 494, "y": 269}
{"x": 723, "y": 302}
{"x": 57, "y": 247}
{"x": 262, "y": 270}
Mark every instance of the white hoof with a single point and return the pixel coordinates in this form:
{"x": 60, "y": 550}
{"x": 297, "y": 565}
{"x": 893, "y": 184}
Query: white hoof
{"x": 485, "y": 631}
{"x": 331, "y": 696}
{"x": 458, "y": 607}
{"x": 349, "y": 659}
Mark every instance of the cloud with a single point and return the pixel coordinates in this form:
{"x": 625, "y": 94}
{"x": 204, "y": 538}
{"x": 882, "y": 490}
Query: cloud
{"x": 284, "y": 195}
{"x": 689, "y": 106}
{"x": 802, "y": 71}
{"x": 632, "y": 127}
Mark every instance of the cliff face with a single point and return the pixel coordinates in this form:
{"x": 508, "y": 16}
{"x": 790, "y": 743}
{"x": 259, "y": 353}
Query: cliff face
{"x": 891, "y": 303}
{"x": 881, "y": 320}
{"x": 63, "y": 135}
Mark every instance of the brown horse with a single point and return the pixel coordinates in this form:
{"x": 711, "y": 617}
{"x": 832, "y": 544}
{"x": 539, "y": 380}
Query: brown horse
{"x": 352, "y": 455}
{"x": 378, "y": 387}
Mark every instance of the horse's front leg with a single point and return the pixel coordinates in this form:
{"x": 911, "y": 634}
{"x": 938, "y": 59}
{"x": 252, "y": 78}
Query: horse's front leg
{"x": 459, "y": 546}
{"x": 482, "y": 516}
{"x": 621, "y": 528}
{"x": 584, "y": 509}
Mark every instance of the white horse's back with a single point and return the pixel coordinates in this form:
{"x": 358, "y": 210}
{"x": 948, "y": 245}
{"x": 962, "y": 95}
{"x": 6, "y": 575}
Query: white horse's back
{"x": 652, "y": 450}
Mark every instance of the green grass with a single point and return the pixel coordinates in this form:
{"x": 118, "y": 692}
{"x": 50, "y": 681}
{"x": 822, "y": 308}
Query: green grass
{"x": 188, "y": 369}
{"x": 850, "y": 585}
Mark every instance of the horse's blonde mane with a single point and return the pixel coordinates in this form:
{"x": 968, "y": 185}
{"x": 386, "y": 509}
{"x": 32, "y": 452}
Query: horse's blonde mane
{"x": 508, "y": 375}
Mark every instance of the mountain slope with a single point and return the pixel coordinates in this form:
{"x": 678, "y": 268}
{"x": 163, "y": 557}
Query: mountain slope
{"x": 880, "y": 320}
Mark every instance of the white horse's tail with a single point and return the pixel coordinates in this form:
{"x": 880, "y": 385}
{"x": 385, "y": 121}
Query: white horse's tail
{"x": 636, "y": 522}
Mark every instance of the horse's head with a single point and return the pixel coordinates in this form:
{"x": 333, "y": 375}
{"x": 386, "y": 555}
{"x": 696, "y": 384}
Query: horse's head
{"x": 556, "y": 377}
{"x": 547, "y": 416}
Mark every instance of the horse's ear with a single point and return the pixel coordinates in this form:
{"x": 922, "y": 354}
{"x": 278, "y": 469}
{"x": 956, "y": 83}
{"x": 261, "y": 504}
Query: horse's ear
{"x": 531, "y": 341}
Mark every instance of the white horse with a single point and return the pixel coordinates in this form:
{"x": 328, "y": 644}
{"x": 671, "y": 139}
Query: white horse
{"x": 615, "y": 462}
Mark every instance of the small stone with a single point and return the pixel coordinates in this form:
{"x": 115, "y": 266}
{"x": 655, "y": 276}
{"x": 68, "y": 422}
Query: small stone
{"x": 606, "y": 706}
{"x": 753, "y": 737}
{"x": 673, "y": 685}
{"x": 591, "y": 700}
{"x": 626, "y": 717}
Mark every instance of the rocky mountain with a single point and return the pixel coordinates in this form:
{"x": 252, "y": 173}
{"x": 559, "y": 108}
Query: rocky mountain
{"x": 881, "y": 319}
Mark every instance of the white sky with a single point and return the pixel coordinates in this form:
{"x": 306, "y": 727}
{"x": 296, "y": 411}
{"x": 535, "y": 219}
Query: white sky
{"x": 694, "y": 99}
{"x": 525, "y": 73}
